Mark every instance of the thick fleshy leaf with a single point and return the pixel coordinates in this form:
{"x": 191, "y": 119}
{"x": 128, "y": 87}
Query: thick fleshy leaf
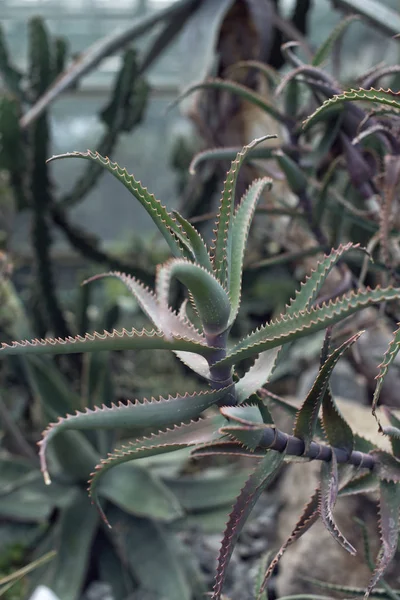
{"x": 310, "y": 288}
{"x": 338, "y": 432}
{"x": 237, "y": 240}
{"x": 393, "y": 431}
{"x": 388, "y": 466}
{"x": 295, "y": 176}
{"x": 223, "y": 246}
{"x": 246, "y": 414}
{"x": 367, "y": 482}
{"x": 116, "y": 340}
{"x": 388, "y": 358}
{"x": 228, "y": 153}
{"x": 258, "y": 374}
{"x": 326, "y": 47}
{"x": 148, "y": 303}
{"x": 263, "y": 475}
{"x": 163, "y": 412}
{"x": 308, "y": 517}
{"x": 200, "y": 252}
{"x": 165, "y": 222}
{"x": 136, "y": 490}
{"x": 389, "y": 528}
{"x": 290, "y": 327}
{"x": 328, "y": 496}
{"x": 182, "y": 436}
{"x": 228, "y": 448}
{"x": 381, "y": 96}
{"x": 211, "y": 300}
{"x": 307, "y": 417}
{"x": 250, "y": 436}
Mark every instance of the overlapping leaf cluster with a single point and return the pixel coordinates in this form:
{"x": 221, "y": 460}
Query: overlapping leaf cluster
{"x": 198, "y": 333}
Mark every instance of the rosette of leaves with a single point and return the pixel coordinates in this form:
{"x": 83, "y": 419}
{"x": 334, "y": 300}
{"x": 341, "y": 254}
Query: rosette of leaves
{"x": 198, "y": 333}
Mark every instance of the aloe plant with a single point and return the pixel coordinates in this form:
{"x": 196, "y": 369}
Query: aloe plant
{"x": 198, "y": 333}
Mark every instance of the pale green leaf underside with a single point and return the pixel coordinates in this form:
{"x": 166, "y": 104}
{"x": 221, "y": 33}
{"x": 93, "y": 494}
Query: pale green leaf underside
{"x": 381, "y": 96}
{"x": 258, "y": 374}
{"x": 290, "y": 327}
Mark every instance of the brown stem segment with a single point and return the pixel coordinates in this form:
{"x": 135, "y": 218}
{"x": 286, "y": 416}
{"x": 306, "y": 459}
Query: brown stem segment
{"x": 274, "y": 439}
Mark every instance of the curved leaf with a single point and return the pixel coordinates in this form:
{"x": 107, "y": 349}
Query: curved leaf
{"x": 221, "y": 249}
{"x": 307, "y": 417}
{"x": 328, "y": 497}
{"x": 148, "y": 303}
{"x": 291, "y": 327}
{"x": 115, "y": 340}
{"x": 308, "y": 517}
{"x": 326, "y": 47}
{"x": 389, "y": 527}
{"x": 237, "y": 240}
{"x": 211, "y": 300}
{"x": 197, "y": 243}
{"x": 136, "y": 415}
{"x": 228, "y": 153}
{"x": 381, "y": 96}
{"x": 338, "y": 432}
{"x": 258, "y": 374}
{"x": 388, "y": 358}
{"x": 264, "y": 473}
{"x": 393, "y": 431}
{"x": 167, "y": 225}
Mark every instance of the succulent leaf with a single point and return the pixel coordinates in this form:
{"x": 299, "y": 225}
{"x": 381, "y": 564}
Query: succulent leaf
{"x": 389, "y": 527}
{"x": 163, "y": 412}
{"x": 262, "y": 476}
{"x": 167, "y": 225}
{"x": 308, "y": 517}
{"x": 381, "y": 96}
{"x": 210, "y": 298}
{"x": 170, "y": 440}
{"x": 291, "y": 327}
{"x": 116, "y": 340}
{"x": 226, "y": 448}
{"x": 326, "y": 47}
{"x": 328, "y": 497}
{"x": 387, "y": 467}
{"x": 338, "y": 432}
{"x": 367, "y": 482}
{"x": 307, "y": 417}
{"x": 393, "y": 431}
{"x": 199, "y": 248}
{"x": 388, "y": 358}
{"x": 222, "y": 247}
{"x": 237, "y": 240}
{"x": 148, "y": 303}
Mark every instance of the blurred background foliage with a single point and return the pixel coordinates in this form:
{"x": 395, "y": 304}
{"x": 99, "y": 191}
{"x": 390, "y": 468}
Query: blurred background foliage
{"x": 115, "y": 69}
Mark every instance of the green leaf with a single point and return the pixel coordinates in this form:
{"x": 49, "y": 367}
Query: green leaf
{"x": 135, "y": 490}
{"x": 199, "y": 248}
{"x": 222, "y": 247}
{"x": 307, "y": 417}
{"x": 389, "y": 528}
{"x": 381, "y": 96}
{"x": 150, "y": 306}
{"x": 308, "y": 517}
{"x": 228, "y": 153}
{"x": 239, "y": 90}
{"x": 250, "y": 436}
{"x": 338, "y": 432}
{"x": 388, "y": 358}
{"x": 157, "y": 413}
{"x": 251, "y": 426}
{"x": 290, "y": 327}
{"x": 262, "y": 476}
{"x": 182, "y": 436}
{"x": 295, "y": 176}
{"x": 237, "y": 240}
{"x": 227, "y": 448}
{"x": 310, "y": 288}
{"x": 167, "y": 225}
{"x": 95, "y": 342}
{"x": 365, "y": 483}
{"x": 77, "y": 526}
{"x": 147, "y": 544}
{"x": 393, "y": 432}
{"x": 326, "y": 47}
{"x": 328, "y": 497}
{"x": 211, "y": 300}
{"x": 387, "y": 467}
